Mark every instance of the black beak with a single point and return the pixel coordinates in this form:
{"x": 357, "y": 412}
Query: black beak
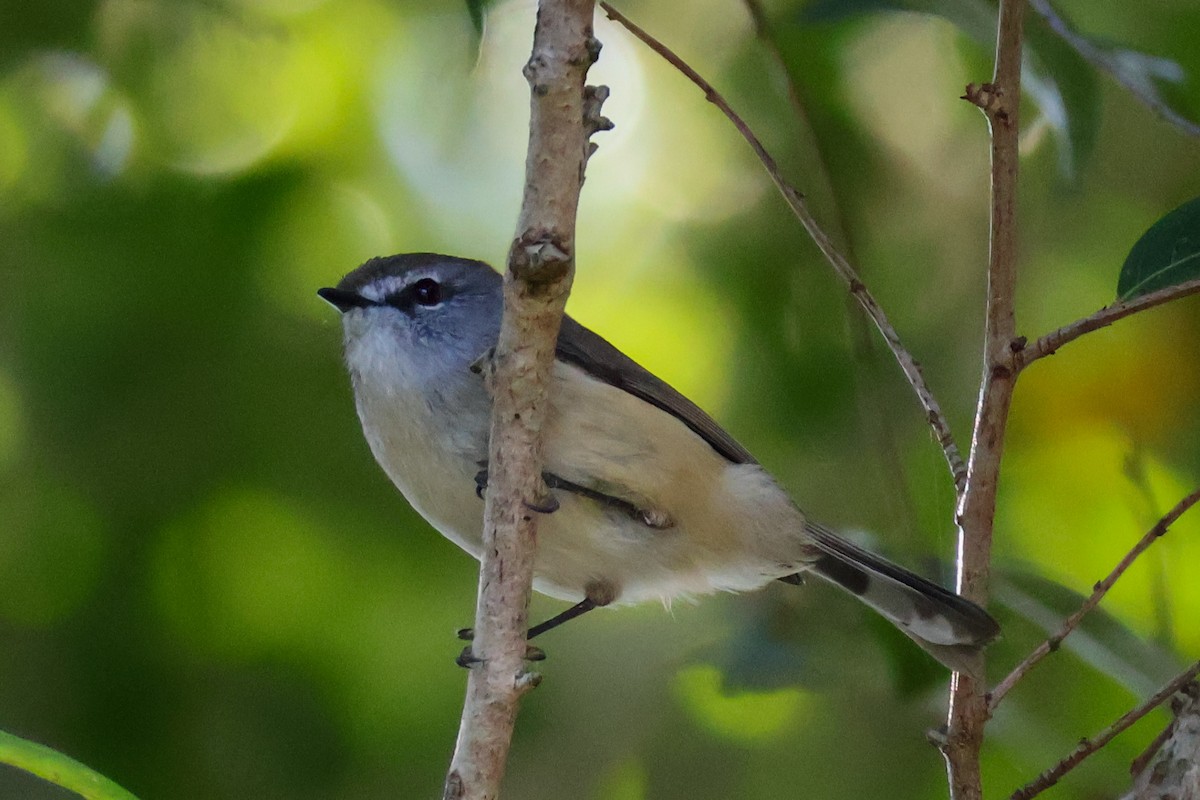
{"x": 344, "y": 300}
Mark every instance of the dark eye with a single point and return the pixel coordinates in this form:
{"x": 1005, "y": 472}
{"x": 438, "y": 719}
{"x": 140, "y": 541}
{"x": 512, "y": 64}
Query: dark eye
{"x": 427, "y": 292}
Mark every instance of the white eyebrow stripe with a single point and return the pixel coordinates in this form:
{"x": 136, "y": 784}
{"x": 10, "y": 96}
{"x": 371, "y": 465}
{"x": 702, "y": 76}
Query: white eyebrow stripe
{"x": 378, "y": 290}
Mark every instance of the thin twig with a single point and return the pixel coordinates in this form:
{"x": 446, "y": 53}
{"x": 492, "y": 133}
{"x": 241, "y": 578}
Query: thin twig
{"x": 1110, "y": 63}
{"x": 912, "y": 370}
{"x": 1000, "y": 102}
{"x": 563, "y": 114}
{"x": 879, "y": 425}
{"x": 1102, "y": 588}
{"x": 1134, "y": 468}
{"x": 1088, "y": 746}
{"x": 1139, "y": 764}
{"x": 1168, "y": 767}
{"x": 1051, "y": 342}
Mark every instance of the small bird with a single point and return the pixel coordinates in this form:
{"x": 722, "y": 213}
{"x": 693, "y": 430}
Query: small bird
{"x": 650, "y": 499}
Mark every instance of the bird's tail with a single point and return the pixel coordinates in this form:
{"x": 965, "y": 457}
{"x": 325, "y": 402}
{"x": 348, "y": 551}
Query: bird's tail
{"x": 950, "y": 628}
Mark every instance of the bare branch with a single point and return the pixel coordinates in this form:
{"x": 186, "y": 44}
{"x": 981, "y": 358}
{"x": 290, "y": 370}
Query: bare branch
{"x": 1111, "y": 63}
{"x": 1051, "y": 342}
{"x": 1139, "y": 764}
{"x": 1102, "y": 588}
{"x": 909, "y": 365}
{"x": 1088, "y": 746}
{"x": 1000, "y": 101}
{"x": 541, "y": 265}
{"x": 1170, "y": 766}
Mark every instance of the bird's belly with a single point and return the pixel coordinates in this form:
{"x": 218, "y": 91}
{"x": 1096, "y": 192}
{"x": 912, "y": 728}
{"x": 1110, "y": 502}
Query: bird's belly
{"x": 731, "y": 528}
{"x": 585, "y": 543}
{"x": 437, "y": 481}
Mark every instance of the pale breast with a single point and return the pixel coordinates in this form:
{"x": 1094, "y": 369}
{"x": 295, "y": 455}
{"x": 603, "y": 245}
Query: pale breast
{"x": 432, "y": 456}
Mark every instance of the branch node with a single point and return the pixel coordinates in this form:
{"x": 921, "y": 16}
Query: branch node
{"x": 992, "y": 99}
{"x": 455, "y": 788}
{"x": 937, "y": 737}
{"x": 539, "y": 259}
{"x": 527, "y": 682}
{"x": 593, "y": 101}
{"x": 532, "y": 69}
{"x": 593, "y": 46}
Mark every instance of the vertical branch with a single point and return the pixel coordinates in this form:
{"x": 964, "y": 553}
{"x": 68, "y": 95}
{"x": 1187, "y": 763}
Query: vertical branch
{"x": 1000, "y": 101}
{"x": 563, "y": 114}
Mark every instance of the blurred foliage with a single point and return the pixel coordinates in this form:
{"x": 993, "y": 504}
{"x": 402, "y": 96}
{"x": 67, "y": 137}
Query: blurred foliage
{"x": 208, "y": 590}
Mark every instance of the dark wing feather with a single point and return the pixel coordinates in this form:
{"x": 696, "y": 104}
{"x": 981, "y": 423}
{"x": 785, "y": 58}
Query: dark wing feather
{"x": 594, "y": 355}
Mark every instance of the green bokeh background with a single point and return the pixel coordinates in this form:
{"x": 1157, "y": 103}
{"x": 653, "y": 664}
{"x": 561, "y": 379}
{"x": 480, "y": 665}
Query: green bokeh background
{"x": 207, "y": 588}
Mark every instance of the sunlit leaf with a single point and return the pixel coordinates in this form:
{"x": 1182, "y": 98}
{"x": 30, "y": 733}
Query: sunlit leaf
{"x": 740, "y": 715}
{"x": 1101, "y": 640}
{"x": 1167, "y": 254}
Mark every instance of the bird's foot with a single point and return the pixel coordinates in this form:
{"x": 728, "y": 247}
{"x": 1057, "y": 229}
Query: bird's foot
{"x": 468, "y": 660}
{"x": 547, "y": 503}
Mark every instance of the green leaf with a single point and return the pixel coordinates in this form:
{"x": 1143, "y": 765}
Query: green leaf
{"x": 1059, "y": 81}
{"x": 477, "y": 8}
{"x": 1066, "y": 91}
{"x": 1166, "y": 255}
{"x": 59, "y": 769}
{"x": 1101, "y": 640}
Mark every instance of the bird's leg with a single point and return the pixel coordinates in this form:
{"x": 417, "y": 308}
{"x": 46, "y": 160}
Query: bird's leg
{"x": 597, "y": 594}
{"x": 650, "y": 517}
{"x": 546, "y": 504}
{"x": 582, "y": 607}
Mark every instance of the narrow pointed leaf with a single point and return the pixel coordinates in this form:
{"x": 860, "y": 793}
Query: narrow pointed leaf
{"x": 477, "y": 8}
{"x": 1101, "y": 640}
{"x": 1059, "y": 81}
{"x": 58, "y": 769}
{"x": 1166, "y": 255}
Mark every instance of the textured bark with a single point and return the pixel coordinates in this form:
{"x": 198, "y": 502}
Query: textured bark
{"x": 1174, "y": 771}
{"x": 1000, "y": 101}
{"x": 563, "y": 114}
